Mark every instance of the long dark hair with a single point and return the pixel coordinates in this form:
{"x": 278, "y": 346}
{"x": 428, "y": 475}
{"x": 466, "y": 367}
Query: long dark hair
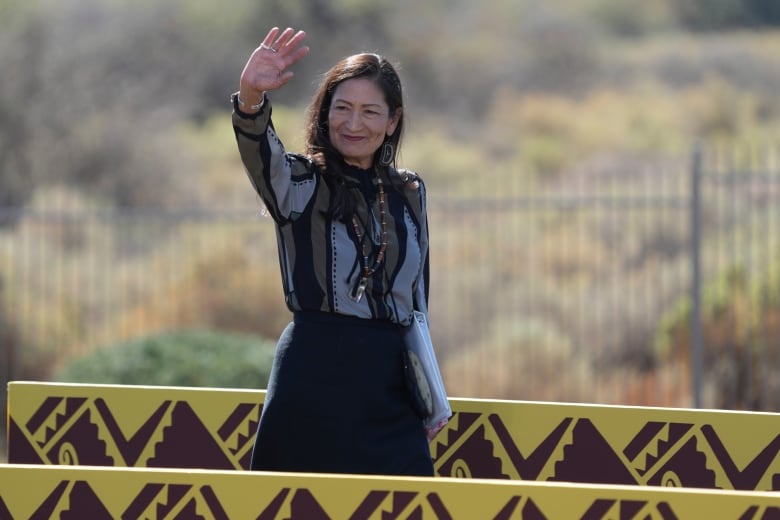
{"x": 318, "y": 145}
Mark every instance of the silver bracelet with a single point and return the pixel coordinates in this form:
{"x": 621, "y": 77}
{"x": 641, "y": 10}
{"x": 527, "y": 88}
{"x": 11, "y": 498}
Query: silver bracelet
{"x": 242, "y": 103}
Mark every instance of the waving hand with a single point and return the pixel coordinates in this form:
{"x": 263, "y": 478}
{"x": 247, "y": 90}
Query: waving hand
{"x": 267, "y": 68}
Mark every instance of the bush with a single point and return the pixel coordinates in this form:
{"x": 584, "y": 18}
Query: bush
{"x": 740, "y": 320}
{"x": 198, "y": 358}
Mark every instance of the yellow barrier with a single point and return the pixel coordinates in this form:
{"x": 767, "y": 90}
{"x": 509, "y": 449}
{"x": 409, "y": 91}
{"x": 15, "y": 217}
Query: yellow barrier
{"x": 43, "y": 492}
{"x": 158, "y": 427}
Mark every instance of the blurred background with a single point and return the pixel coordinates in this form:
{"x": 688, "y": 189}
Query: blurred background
{"x": 603, "y": 181}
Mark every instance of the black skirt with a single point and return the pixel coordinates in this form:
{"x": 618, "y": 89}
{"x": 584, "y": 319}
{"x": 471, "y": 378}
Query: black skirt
{"x": 337, "y": 402}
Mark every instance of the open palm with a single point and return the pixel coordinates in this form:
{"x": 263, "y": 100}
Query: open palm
{"x": 267, "y": 68}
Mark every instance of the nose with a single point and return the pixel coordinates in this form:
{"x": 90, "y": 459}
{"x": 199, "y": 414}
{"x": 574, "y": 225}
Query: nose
{"x": 354, "y": 120}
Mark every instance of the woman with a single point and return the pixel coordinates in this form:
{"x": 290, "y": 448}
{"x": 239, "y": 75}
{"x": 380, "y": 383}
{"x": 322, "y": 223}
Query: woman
{"x": 353, "y": 250}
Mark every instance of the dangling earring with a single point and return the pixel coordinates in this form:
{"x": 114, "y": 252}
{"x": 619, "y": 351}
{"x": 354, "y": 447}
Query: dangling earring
{"x": 386, "y": 156}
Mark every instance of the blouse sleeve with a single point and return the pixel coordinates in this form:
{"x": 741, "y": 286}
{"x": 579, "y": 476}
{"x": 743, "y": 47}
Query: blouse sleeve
{"x": 423, "y": 279}
{"x": 285, "y": 182}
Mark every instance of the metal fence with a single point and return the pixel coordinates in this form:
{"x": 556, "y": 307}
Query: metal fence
{"x": 626, "y": 285}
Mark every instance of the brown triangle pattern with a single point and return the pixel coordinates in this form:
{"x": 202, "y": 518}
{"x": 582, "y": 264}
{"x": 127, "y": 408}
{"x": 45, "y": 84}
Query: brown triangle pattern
{"x": 81, "y": 502}
{"x": 187, "y": 443}
{"x": 80, "y": 444}
{"x": 688, "y": 465}
{"x": 71, "y": 500}
{"x": 590, "y": 459}
{"x": 88, "y": 503}
{"x": 20, "y": 447}
{"x": 162, "y": 499}
{"x": 472, "y": 445}
{"x": 302, "y": 504}
{"x": 465, "y": 449}
{"x": 467, "y": 456}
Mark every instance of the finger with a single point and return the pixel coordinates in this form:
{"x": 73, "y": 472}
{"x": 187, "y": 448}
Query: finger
{"x": 269, "y": 38}
{"x": 283, "y": 38}
{"x": 286, "y": 76}
{"x": 279, "y": 40}
{"x": 293, "y": 42}
{"x": 299, "y": 53}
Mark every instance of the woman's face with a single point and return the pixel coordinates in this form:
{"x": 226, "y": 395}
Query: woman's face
{"x": 359, "y": 119}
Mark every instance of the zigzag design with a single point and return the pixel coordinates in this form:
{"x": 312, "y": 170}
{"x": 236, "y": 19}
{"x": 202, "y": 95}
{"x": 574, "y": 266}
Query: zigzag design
{"x": 68, "y": 430}
{"x": 154, "y": 499}
{"x": 47, "y": 424}
{"x": 188, "y": 443}
{"x": 669, "y": 436}
{"x": 508, "y": 469}
{"x": 711, "y": 466}
{"x": 652, "y": 443}
{"x": 393, "y": 505}
{"x": 60, "y": 428}
{"x": 81, "y": 442}
{"x": 564, "y": 435}
{"x": 238, "y": 431}
{"x": 629, "y": 509}
{"x": 177, "y": 501}
{"x": 104, "y": 436}
{"x": 157, "y": 436}
{"x": 130, "y": 448}
{"x": 397, "y": 504}
{"x": 467, "y": 452}
{"x": 685, "y": 467}
{"x": 172, "y": 497}
{"x": 50, "y": 427}
{"x": 653, "y": 450}
{"x": 455, "y": 429}
{"x": 531, "y": 467}
{"x": 749, "y": 477}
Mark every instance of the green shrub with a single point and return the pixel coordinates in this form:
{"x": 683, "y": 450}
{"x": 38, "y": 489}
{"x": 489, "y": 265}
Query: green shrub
{"x": 198, "y": 358}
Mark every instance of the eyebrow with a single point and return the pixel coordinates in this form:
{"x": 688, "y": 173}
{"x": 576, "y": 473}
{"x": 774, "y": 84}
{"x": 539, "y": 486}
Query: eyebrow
{"x": 340, "y": 100}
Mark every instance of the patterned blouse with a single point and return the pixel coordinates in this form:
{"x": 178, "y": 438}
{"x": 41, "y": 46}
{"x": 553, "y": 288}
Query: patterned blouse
{"x": 320, "y": 256}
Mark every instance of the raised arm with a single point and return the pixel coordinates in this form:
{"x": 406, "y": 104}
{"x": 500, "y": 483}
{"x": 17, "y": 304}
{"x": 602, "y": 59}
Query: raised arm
{"x": 270, "y": 169}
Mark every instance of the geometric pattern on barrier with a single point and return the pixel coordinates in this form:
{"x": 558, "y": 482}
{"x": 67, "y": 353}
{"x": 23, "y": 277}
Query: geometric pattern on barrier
{"x": 85, "y": 431}
{"x": 667, "y": 454}
{"x": 38, "y": 492}
{"x": 177, "y": 428}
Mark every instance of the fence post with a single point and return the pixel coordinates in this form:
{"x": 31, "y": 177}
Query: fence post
{"x": 696, "y": 232}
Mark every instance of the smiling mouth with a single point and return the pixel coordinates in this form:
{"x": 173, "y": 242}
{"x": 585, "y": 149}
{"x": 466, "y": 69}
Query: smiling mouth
{"x": 352, "y": 138}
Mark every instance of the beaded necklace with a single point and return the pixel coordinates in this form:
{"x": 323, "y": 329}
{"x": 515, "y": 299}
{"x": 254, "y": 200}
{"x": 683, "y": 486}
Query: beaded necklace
{"x": 366, "y": 271}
